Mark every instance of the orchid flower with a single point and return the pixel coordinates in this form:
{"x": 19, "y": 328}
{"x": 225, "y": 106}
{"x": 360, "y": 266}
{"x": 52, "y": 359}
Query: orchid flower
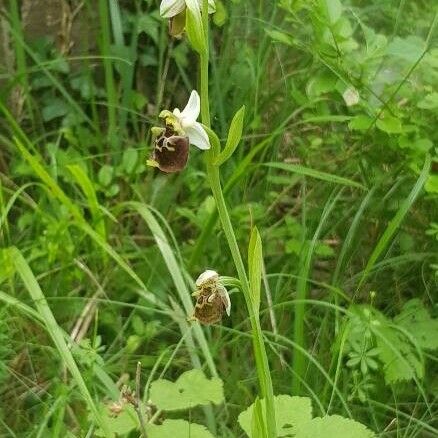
{"x": 184, "y": 122}
{"x": 171, "y": 150}
{"x": 172, "y": 8}
{"x": 186, "y": 15}
{"x": 212, "y": 299}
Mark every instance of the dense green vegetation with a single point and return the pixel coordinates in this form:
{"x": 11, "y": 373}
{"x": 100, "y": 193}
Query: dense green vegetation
{"x": 317, "y": 204}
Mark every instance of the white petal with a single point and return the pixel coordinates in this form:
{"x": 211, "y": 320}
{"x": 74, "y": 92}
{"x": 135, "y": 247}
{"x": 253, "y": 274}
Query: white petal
{"x": 197, "y": 136}
{"x": 170, "y": 8}
{"x": 191, "y": 112}
{"x": 206, "y": 276}
{"x": 225, "y": 299}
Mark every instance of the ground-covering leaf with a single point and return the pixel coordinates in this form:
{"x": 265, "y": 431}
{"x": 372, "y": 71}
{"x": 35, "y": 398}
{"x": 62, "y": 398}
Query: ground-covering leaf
{"x": 332, "y": 426}
{"x": 178, "y": 429}
{"x": 417, "y": 321}
{"x": 331, "y": 9}
{"x": 361, "y": 122}
{"x": 120, "y": 424}
{"x": 401, "y": 360}
{"x": 289, "y": 412}
{"x": 399, "y": 357}
{"x": 192, "y": 388}
{"x": 389, "y": 124}
{"x": 281, "y": 37}
{"x": 430, "y": 101}
{"x": 55, "y": 108}
{"x": 410, "y": 49}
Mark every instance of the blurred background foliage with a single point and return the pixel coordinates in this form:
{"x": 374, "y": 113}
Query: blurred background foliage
{"x": 332, "y": 90}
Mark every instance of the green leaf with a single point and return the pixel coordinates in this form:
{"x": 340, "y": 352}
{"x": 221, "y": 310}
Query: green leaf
{"x": 410, "y": 49}
{"x": 55, "y": 108}
{"x": 430, "y": 101}
{"x": 331, "y": 9}
{"x": 149, "y": 25}
{"x": 337, "y": 118}
{"x": 302, "y": 170}
{"x": 88, "y": 189}
{"x": 191, "y": 389}
{"x": 431, "y": 185}
{"x": 178, "y": 429}
{"x": 419, "y": 145}
{"x": 399, "y": 356}
{"x": 221, "y": 14}
{"x": 129, "y": 160}
{"x": 289, "y": 412}
{"x": 389, "y": 124}
{"x": 255, "y": 260}
{"x": 121, "y": 424}
{"x": 415, "y": 319}
{"x": 333, "y": 426}
{"x": 105, "y": 175}
{"x": 321, "y": 83}
{"x": 234, "y": 136}
{"x": 360, "y": 122}
{"x": 35, "y": 161}
{"x": 281, "y": 37}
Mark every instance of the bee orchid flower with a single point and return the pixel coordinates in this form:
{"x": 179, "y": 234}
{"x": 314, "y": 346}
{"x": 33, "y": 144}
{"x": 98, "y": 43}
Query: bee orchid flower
{"x": 212, "y": 299}
{"x": 171, "y": 149}
{"x": 175, "y": 12}
{"x": 172, "y": 8}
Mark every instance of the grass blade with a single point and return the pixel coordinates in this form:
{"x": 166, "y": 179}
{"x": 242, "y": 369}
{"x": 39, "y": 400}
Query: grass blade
{"x": 89, "y": 191}
{"x": 176, "y": 274}
{"x": 299, "y": 363}
{"x": 396, "y": 221}
{"x": 55, "y": 332}
{"x": 307, "y": 171}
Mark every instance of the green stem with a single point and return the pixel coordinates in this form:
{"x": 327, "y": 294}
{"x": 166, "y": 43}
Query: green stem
{"x": 261, "y": 358}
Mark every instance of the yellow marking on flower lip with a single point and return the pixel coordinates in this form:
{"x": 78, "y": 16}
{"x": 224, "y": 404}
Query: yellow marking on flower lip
{"x": 152, "y": 163}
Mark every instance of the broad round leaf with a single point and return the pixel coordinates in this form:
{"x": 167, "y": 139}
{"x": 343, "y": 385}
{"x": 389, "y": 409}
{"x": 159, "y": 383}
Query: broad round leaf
{"x": 191, "y": 389}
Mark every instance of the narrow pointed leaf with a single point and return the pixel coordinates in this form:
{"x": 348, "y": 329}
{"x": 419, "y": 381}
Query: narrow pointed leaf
{"x": 34, "y": 290}
{"x": 255, "y": 267}
{"x": 234, "y": 137}
{"x": 313, "y": 173}
{"x": 396, "y": 221}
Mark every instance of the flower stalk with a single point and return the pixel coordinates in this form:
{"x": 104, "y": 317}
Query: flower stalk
{"x": 262, "y": 365}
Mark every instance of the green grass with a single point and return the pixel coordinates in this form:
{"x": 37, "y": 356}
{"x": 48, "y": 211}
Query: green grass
{"x": 321, "y": 217}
